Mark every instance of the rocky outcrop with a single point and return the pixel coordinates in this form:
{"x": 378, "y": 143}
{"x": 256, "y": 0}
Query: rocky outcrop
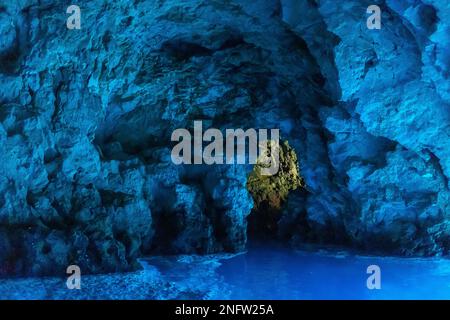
{"x": 389, "y": 133}
{"x": 270, "y": 192}
{"x": 86, "y": 119}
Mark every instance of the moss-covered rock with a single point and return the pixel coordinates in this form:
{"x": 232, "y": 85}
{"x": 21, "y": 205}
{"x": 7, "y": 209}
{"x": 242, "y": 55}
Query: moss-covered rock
{"x": 272, "y": 191}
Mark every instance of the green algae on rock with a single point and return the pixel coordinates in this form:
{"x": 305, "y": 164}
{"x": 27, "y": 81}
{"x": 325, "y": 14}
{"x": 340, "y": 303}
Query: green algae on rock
{"x": 273, "y": 190}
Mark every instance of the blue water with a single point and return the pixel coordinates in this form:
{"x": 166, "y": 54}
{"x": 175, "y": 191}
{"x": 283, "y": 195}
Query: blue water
{"x": 261, "y": 273}
{"x": 266, "y": 273}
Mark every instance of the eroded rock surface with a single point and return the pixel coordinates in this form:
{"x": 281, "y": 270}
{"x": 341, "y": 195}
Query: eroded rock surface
{"x": 86, "y": 118}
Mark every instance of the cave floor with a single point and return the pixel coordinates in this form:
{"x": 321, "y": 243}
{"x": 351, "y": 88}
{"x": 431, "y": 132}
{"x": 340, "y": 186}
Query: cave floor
{"x": 260, "y": 273}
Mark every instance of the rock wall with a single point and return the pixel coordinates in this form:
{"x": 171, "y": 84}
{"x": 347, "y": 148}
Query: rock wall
{"x": 86, "y": 118}
{"x": 388, "y": 134}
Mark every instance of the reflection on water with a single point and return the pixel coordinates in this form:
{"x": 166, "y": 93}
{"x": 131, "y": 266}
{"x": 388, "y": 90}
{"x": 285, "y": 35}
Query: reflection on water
{"x": 265, "y": 273}
{"x": 260, "y": 273}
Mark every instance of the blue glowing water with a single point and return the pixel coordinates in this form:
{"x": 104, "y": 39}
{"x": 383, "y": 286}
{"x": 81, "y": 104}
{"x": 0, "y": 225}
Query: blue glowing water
{"x": 285, "y": 274}
{"x": 261, "y": 273}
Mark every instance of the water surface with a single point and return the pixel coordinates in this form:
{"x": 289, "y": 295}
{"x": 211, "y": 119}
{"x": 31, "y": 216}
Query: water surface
{"x": 260, "y": 273}
{"x": 266, "y": 273}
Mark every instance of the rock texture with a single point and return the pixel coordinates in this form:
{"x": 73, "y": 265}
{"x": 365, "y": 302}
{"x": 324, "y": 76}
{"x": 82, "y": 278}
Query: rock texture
{"x": 86, "y": 118}
{"x": 388, "y": 135}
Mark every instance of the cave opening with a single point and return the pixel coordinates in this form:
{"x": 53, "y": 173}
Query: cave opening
{"x": 270, "y": 195}
{"x": 262, "y": 225}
